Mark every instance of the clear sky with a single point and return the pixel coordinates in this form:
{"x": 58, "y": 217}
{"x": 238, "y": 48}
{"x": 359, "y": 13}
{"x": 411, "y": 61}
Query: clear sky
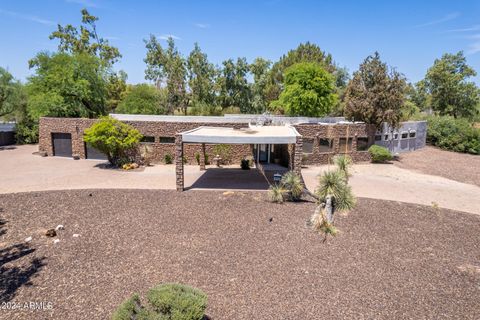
{"x": 408, "y": 34}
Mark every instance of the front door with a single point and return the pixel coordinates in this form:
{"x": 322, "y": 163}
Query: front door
{"x": 263, "y": 150}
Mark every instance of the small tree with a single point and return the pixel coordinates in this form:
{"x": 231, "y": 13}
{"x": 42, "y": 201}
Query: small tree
{"x": 309, "y": 91}
{"x": 375, "y": 94}
{"x": 114, "y": 138}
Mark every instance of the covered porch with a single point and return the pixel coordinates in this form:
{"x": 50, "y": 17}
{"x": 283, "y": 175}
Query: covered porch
{"x": 254, "y": 136}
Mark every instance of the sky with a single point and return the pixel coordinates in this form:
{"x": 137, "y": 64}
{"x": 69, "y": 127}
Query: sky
{"x": 409, "y": 35}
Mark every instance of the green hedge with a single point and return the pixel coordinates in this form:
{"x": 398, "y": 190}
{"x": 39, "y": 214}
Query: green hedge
{"x": 379, "y": 154}
{"x": 453, "y": 134}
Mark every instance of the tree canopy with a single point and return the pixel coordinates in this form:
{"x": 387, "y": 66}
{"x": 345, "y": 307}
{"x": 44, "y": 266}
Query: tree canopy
{"x": 143, "y": 99}
{"x": 309, "y": 91}
{"x": 451, "y": 92}
{"x": 11, "y": 93}
{"x": 376, "y": 93}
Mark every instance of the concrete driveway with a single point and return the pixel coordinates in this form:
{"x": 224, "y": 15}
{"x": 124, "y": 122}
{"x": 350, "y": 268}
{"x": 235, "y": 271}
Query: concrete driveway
{"x": 389, "y": 182}
{"x": 21, "y": 171}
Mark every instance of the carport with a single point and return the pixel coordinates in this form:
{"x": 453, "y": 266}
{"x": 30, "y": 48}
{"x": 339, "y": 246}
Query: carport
{"x": 252, "y": 135}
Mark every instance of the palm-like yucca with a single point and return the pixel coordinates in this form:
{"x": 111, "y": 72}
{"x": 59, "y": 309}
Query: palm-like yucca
{"x": 333, "y": 183}
{"x": 343, "y": 162}
{"x": 276, "y": 193}
{"x": 293, "y": 183}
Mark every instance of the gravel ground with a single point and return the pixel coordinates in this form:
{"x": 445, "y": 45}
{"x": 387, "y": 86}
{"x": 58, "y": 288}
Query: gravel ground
{"x": 461, "y": 167}
{"x": 390, "y": 260}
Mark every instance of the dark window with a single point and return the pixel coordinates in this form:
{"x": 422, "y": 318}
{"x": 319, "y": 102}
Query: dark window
{"x": 404, "y": 135}
{"x": 167, "y": 140}
{"x": 412, "y": 134}
{"x": 307, "y": 146}
{"x": 385, "y": 137}
{"x": 378, "y": 137}
{"x": 344, "y": 145}
{"x": 362, "y": 144}
{"x": 395, "y": 136}
{"x": 325, "y": 145}
{"x": 148, "y": 139}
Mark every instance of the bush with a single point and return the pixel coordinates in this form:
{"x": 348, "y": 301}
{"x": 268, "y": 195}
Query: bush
{"x": 245, "y": 164}
{"x": 379, "y": 154}
{"x": 224, "y": 151}
{"x": 168, "y": 158}
{"x": 276, "y": 193}
{"x": 197, "y": 157}
{"x": 290, "y": 188}
{"x": 453, "y": 134}
{"x": 114, "y": 138}
{"x": 169, "y": 301}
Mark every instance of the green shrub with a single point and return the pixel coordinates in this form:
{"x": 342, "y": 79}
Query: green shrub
{"x": 167, "y": 158}
{"x": 116, "y": 139}
{"x": 379, "y": 154}
{"x": 457, "y": 135}
{"x": 179, "y": 302}
{"x": 276, "y": 193}
{"x": 169, "y": 301}
{"x": 293, "y": 183}
{"x": 197, "y": 157}
{"x": 224, "y": 151}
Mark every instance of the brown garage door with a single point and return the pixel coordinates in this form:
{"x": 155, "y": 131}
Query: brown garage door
{"x": 62, "y": 144}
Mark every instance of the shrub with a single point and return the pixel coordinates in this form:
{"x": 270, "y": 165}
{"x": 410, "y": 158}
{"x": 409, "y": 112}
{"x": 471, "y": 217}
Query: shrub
{"x": 224, "y": 151}
{"x": 333, "y": 183}
{"x": 453, "y": 134}
{"x": 116, "y": 139}
{"x": 379, "y": 154}
{"x": 167, "y": 158}
{"x": 293, "y": 183}
{"x": 169, "y": 301}
{"x": 276, "y": 193}
{"x": 197, "y": 157}
{"x": 343, "y": 162}
{"x": 245, "y": 164}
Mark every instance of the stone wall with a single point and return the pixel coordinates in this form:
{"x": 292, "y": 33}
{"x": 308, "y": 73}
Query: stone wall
{"x": 311, "y": 133}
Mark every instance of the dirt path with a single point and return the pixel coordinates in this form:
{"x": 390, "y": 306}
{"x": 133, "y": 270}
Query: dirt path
{"x": 389, "y": 182}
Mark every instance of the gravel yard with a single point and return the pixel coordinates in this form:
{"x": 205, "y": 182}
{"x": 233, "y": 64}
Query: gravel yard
{"x": 390, "y": 260}
{"x": 452, "y": 165}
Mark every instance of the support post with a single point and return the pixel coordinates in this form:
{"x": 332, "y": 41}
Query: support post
{"x": 179, "y": 162}
{"x": 297, "y": 156}
{"x": 202, "y": 157}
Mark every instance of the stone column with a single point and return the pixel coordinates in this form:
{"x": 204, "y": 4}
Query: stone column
{"x": 297, "y": 156}
{"x": 179, "y": 162}
{"x": 202, "y": 157}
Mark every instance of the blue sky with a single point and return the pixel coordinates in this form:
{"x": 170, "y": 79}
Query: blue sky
{"x": 408, "y": 34}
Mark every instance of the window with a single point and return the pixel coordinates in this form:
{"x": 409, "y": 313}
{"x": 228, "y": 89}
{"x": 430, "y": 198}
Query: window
{"x": 404, "y": 135}
{"x": 148, "y": 139}
{"x": 362, "y": 144}
{"x": 385, "y": 137}
{"x": 395, "y": 136}
{"x": 307, "y": 146}
{"x": 344, "y": 145}
{"x": 167, "y": 140}
{"x": 325, "y": 145}
{"x": 412, "y": 134}
{"x": 378, "y": 137}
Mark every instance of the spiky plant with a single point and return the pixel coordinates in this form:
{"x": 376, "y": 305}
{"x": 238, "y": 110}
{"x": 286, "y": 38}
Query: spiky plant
{"x": 333, "y": 183}
{"x": 320, "y": 223}
{"x": 294, "y": 184}
{"x": 276, "y": 193}
{"x": 343, "y": 163}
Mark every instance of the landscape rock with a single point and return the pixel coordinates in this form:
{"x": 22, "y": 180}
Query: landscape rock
{"x": 56, "y": 241}
{"x": 28, "y": 239}
{"x": 51, "y": 233}
{"x": 60, "y": 227}
{"x": 75, "y": 235}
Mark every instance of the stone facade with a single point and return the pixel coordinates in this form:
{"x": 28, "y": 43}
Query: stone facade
{"x": 164, "y": 135}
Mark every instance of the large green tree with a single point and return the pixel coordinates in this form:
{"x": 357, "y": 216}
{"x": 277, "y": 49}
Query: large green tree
{"x": 451, "y": 92}
{"x": 116, "y": 89}
{"x": 376, "y": 93}
{"x": 143, "y": 99}
{"x": 233, "y": 86}
{"x": 305, "y": 52}
{"x": 259, "y": 69}
{"x": 309, "y": 91}
{"x": 10, "y": 94}
{"x": 85, "y": 40}
{"x": 201, "y": 77}
{"x": 166, "y": 65}
{"x": 66, "y": 85}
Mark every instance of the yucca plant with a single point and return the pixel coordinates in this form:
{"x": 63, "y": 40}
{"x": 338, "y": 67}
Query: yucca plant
{"x": 293, "y": 183}
{"x": 343, "y": 163}
{"x": 333, "y": 183}
{"x": 276, "y": 193}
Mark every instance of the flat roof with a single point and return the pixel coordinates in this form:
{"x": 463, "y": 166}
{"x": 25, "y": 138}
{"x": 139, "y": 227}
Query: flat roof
{"x": 253, "y": 135}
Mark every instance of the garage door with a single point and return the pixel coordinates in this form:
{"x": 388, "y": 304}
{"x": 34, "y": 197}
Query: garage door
{"x": 6, "y": 138}
{"x": 92, "y": 153}
{"x": 62, "y": 144}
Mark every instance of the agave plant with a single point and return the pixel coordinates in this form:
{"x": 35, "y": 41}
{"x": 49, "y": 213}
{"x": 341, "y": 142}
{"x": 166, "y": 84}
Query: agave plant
{"x": 293, "y": 183}
{"x": 276, "y": 193}
{"x": 332, "y": 183}
{"x": 343, "y": 163}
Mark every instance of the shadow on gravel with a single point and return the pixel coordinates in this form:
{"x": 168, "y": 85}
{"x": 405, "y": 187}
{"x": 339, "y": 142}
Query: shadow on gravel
{"x": 12, "y": 277}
